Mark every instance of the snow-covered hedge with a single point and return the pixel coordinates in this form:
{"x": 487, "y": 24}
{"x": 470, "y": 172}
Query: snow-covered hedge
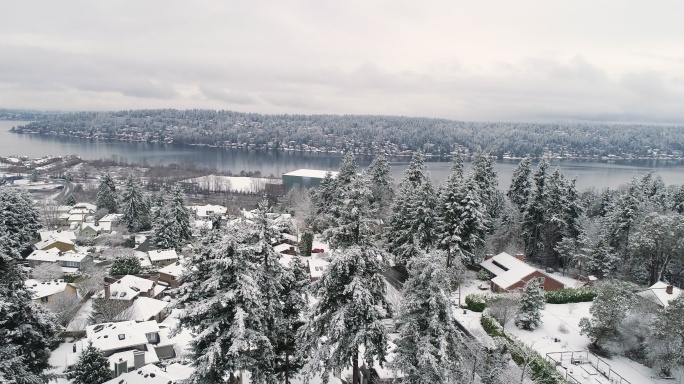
{"x": 571, "y": 295}
{"x": 476, "y": 302}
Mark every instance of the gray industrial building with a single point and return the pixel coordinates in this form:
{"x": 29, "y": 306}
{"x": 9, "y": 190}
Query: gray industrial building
{"x": 305, "y": 178}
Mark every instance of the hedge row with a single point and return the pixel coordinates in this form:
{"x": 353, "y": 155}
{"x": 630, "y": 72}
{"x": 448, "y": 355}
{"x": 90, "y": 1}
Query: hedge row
{"x": 571, "y": 295}
{"x": 543, "y": 371}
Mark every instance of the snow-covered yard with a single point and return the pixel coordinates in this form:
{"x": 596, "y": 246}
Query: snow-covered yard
{"x": 217, "y": 183}
{"x": 560, "y": 322}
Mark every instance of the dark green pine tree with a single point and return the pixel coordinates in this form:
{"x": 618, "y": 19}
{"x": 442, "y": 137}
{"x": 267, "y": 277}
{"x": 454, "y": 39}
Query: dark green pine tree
{"x": 521, "y": 187}
{"x": 136, "y": 211}
{"x": 106, "y": 194}
{"x": 92, "y": 367}
{"x": 536, "y": 217}
{"x": 487, "y": 181}
{"x": 181, "y": 213}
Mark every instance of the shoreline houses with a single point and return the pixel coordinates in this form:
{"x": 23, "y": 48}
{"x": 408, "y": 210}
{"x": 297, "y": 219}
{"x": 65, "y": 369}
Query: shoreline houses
{"x": 510, "y": 273}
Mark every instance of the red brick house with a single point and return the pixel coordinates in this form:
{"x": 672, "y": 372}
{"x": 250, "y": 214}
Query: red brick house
{"x": 510, "y": 273}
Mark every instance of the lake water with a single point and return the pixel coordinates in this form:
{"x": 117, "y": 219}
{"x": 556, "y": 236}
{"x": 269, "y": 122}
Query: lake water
{"x": 589, "y": 174}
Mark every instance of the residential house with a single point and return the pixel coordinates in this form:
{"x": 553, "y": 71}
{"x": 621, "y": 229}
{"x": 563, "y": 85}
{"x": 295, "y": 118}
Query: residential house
{"x": 509, "y": 273}
{"x": 316, "y": 267}
{"x": 208, "y": 212}
{"x": 48, "y": 291}
{"x": 130, "y": 287}
{"x": 69, "y": 261}
{"x": 129, "y": 345}
{"x": 162, "y": 257}
{"x": 660, "y": 294}
{"x": 60, "y": 242}
{"x": 112, "y": 218}
{"x": 171, "y": 274}
{"x": 95, "y": 228}
{"x": 151, "y": 374}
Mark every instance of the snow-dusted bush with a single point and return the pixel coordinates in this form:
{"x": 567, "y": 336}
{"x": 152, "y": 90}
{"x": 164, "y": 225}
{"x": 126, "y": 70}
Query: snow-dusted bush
{"x": 476, "y": 302}
{"x": 571, "y": 295}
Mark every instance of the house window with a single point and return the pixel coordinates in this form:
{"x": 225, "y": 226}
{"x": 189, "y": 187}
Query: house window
{"x": 152, "y": 337}
{"x": 542, "y": 280}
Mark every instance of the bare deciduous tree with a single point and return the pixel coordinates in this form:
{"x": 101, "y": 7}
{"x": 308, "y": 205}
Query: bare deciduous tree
{"x": 64, "y": 306}
{"x": 92, "y": 279}
{"x": 503, "y": 307}
{"x": 47, "y": 272}
{"x": 107, "y": 310}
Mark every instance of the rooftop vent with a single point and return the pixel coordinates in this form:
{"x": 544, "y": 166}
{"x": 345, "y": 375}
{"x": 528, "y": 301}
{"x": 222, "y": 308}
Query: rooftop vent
{"x": 122, "y": 336}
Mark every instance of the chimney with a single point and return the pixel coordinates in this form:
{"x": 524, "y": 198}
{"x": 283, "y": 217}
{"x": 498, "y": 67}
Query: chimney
{"x": 488, "y": 256}
{"x": 120, "y": 367}
{"x": 106, "y": 290}
{"x": 139, "y": 358}
{"x": 520, "y": 256}
{"x": 668, "y": 289}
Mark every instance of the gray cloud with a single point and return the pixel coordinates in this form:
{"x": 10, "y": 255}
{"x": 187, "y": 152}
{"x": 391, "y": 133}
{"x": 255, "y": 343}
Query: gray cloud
{"x": 454, "y": 59}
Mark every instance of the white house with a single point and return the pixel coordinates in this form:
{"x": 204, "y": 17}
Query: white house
{"x": 162, "y": 257}
{"x": 130, "y": 287}
{"x": 69, "y": 261}
{"x": 660, "y": 293}
{"x": 46, "y": 291}
{"x": 129, "y": 345}
{"x": 95, "y": 228}
{"x": 206, "y": 212}
{"x": 316, "y": 268}
{"x": 151, "y": 374}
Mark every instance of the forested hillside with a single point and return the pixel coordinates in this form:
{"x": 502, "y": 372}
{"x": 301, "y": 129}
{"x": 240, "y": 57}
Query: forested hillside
{"x": 393, "y": 135}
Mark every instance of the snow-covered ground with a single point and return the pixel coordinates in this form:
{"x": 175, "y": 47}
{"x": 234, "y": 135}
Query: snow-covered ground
{"x": 570, "y": 340}
{"x": 231, "y": 183}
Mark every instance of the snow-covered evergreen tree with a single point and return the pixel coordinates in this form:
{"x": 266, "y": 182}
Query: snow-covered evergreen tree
{"x": 92, "y": 367}
{"x": 136, "y": 211}
{"x": 531, "y": 304}
{"x": 222, "y": 303}
{"x": 412, "y": 221}
{"x": 166, "y": 228}
{"x": 462, "y": 223}
{"x": 536, "y": 217}
{"x": 521, "y": 188}
{"x": 347, "y": 317}
{"x": 106, "y": 194}
{"x": 382, "y": 185}
{"x": 27, "y": 330}
{"x": 487, "y": 181}
{"x": 125, "y": 265}
{"x": 70, "y": 200}
{"x": 430, "y": 346}
{"x": 351, "y": 293}
{"x": 181, "y": 213}
{"x": 602, "y": 259}
{"x": 323, "y": 196}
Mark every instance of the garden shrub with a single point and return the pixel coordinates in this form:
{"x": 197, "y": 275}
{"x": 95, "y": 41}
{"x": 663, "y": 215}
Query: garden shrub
{"x": 571, "y": 295}
{"x": 476, "y": 302}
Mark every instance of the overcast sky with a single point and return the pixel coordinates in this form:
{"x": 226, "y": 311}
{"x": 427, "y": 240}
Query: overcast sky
{"x": 612, "y": 60}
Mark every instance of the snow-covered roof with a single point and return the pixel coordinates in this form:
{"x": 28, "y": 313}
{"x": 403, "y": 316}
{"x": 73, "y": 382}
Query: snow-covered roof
{"x": 144, "y": 259}
{"x": 83, "y": 208}
{"x": 313, "y": 173}
{"x": 129, "y": 287}
{"x": 161, "y": 255}
{"x": 280, "y": 248}
{"x": 129, "y": 356}
{"x": 125, "y": 334}
{"x": 657, "y": 293}
{"x": 50, "y": 241}
{"x": 112, "y": 217}
{"x": 513, "y": 269}
{"x": 209, "y": 209}
{"x": 199, "y": 224}
{"x": 105, "y": 226}
{"x": 151, "y": 374}
{"x": 289, "y": 237}
{"x": 76, "y": 217}
{"x": 53, "y": 255}
{"x": 45, "y": 289}
{"x": 176, "y": 269}
{"x": 144, "y": 308}
{"x": 66, "y": 236}
{"x": 317, "y": 267}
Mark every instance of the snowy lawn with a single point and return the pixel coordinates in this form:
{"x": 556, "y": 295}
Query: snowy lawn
{"x": 543, "y": 339}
